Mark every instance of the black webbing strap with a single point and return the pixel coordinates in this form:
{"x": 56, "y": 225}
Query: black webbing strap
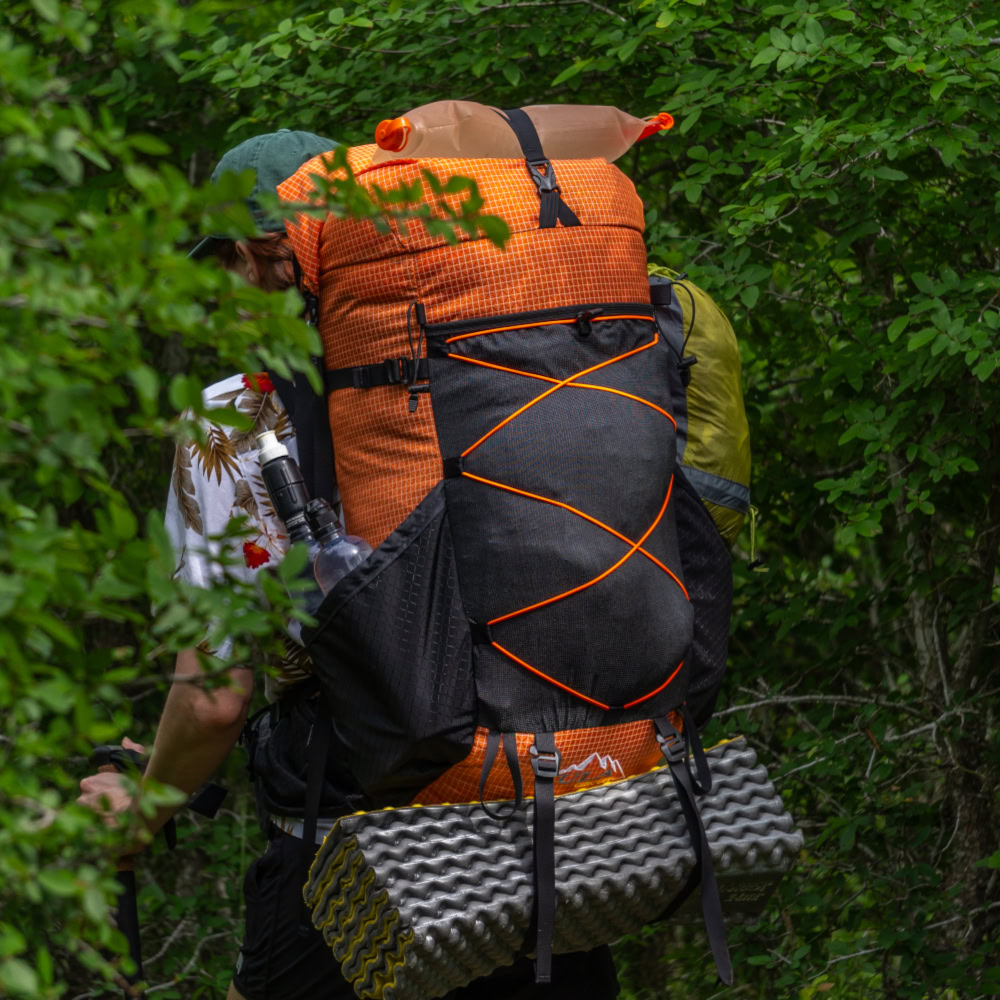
{"x": 393, "y": 371}
{"x": 704, "y": 783}
{"x": 513, "y": 765}
{"x": 545, "y": 759}
{"x": 493, "y": 740}
{"x": 675, "y": 750}
{"x": 552, "y": 205}
{"x": 308, "y": 413}
{"x": 318, "y": 748}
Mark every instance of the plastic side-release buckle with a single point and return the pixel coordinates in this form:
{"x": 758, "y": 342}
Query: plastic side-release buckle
{"x": 545, "y": 763}
{"x": 544, "y": 182}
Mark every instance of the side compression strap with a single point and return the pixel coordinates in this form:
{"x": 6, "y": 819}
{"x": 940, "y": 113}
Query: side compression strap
{"x": 674, "y": 747}
{"x": 493, "y": 740}
{"x": 552, "y": 206}
{"x": 393, "y": 371}
{"x": 545, "y": 760}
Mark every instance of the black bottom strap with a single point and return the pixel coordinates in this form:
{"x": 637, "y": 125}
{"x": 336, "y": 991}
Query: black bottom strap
{"x": 674, "y": 747}
{"x": 545, "y": 763}
{"x": 394, "y": 371}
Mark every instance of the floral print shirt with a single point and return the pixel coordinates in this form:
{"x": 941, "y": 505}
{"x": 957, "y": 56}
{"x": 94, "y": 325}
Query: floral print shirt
{"x": 213, "y": 483}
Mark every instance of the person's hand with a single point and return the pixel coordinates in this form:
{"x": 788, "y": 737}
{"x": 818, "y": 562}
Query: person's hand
{"x": 105, "y": 791}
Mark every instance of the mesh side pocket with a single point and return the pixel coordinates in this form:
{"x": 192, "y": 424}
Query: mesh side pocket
{"x": 392, "y": 653}
{"x": 708, "y": 573}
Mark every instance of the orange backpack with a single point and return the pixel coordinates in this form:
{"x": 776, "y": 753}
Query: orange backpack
{"x": 503, "y": 438}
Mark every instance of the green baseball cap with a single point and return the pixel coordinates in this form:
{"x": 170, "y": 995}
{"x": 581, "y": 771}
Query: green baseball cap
{"x": 273, "y": 157}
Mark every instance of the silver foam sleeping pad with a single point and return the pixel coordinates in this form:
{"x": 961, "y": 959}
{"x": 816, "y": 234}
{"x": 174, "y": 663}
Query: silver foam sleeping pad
{"x": 417, "y": 901}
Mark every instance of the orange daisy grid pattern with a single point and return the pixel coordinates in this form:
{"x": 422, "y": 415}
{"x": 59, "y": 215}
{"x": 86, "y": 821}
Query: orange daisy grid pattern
{"x": 387, "y": 459}
{"x": 589, "y": 757}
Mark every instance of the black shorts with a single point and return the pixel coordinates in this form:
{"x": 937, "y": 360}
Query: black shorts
{"x": 281, "y": 960}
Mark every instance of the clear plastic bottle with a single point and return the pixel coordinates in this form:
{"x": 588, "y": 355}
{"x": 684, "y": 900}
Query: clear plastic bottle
{"x": 337, "y": 553}
{"x": 289, "y": 495}
{"x": 468, "y": 129}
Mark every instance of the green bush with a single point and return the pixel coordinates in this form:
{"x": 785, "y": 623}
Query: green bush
{"x": 833, "y": 179}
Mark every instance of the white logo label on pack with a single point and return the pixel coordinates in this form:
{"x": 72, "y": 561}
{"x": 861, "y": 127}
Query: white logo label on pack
{"x": 604, "y": 765}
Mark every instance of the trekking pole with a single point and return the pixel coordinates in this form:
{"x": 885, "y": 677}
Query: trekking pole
{"x": 205, "y": 802}
{"x": 112, "y": 758}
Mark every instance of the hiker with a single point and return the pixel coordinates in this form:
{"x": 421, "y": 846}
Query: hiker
{"x": 281, "y": 956}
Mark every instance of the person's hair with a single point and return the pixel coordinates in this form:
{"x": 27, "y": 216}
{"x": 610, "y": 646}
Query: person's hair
{"x": 272, "y": 254}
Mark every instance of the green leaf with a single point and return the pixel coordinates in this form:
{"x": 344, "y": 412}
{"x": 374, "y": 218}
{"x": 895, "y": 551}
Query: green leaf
{"x": 779, "y": 39}
{"x": 814, "y": 31}
{"x": 841, "y": 15}
{"x": 749, "y": 296}
{"x": 950, "y": 149}
{"x": 693, "y": 193}
{"x": 512, "y": 73}
{"x": 785, "y": 60}
{"x": 765, "y": 56}
{"x": 888, "y": 174}
{"x": 49, "y": 9}
{"x": 920, "y": 338}
{"x": 628, "y": 49}
{"x": 689, "y": 121}
{"x": 896, "y": 327}
{"x": 922, "y": 282}
{"x": 59, "y": 881}
{"x": 986, "y": 367}
{"x": 937, "y": 89}
{"x": 571, "y": 71}
{"x": 18, "y": 977}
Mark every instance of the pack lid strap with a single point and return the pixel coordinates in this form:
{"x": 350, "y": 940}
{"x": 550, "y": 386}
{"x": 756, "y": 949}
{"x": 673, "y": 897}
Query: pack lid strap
{"x": 542, "y": 172}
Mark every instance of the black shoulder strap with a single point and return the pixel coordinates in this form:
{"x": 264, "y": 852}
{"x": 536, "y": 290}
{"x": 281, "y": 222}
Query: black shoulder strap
{"x": 309, "y": 414}
{"x": 552, "y": 206}
{"x": 318, "y": 749}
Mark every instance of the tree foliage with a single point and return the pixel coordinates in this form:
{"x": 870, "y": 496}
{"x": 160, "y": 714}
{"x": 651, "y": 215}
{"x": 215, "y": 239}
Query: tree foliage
{"x": 833, "y": 180}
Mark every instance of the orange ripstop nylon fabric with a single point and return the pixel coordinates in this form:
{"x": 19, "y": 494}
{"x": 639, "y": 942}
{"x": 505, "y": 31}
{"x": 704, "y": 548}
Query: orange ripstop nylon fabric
{"x": 387, "y": 458}
{"x": 589, "y": 757}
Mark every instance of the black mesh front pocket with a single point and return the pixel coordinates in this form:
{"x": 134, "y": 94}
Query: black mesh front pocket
{"x": 559, "y": 457}
{"x": 392, "y": 653}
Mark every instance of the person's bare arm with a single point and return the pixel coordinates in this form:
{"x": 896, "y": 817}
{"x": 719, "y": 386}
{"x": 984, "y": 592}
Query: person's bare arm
{"x": 197, "y": 730}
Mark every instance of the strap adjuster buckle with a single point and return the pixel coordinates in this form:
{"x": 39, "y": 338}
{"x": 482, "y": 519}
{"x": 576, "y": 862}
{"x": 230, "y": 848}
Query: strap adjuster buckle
{"x": 672, "y": 747}
{"x": 362, "y": 378}
{"x": 395, "y": 370}
{"x": 544, "y": 182}
{"x": 545, "y": 764}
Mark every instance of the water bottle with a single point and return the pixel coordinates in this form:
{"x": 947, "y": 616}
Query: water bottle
{"x": 290, "y": 498}
{"x": 468, "y": 129}
{"x": 337, "y": 553}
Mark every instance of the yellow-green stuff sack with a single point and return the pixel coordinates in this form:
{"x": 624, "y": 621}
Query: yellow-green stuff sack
{"x": 713, "y": 438}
